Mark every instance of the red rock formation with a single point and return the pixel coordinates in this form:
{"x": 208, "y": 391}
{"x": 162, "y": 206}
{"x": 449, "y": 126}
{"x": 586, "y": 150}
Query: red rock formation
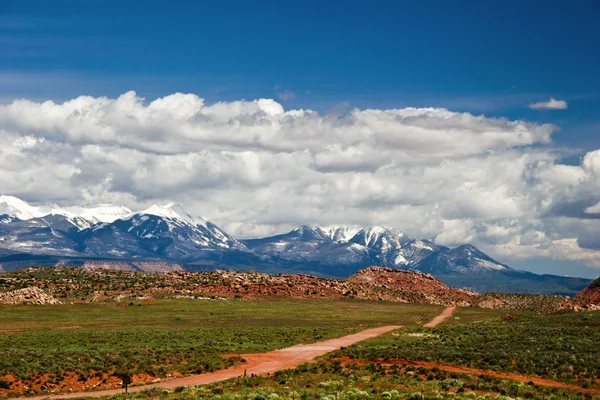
{"x": 590, "y": 296}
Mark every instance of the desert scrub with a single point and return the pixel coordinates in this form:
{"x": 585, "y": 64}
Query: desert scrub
{"x": 366, "y": 382}
{"x": 560, "y": 347}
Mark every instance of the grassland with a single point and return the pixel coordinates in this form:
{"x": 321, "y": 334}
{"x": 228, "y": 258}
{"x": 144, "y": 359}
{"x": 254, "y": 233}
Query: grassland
{"x": 70, "y": 346}
{"x": 559, "y": 347}
{"x": 372, "y": 381}
{"x": 56, "y": 347}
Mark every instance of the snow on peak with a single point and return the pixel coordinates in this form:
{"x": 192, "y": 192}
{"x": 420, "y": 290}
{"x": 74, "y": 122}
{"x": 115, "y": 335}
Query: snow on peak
{"x": 83, "y": 217}
{"x": 387, "y": 236}
{"x": 18, "y": 208}
{"x": 341, "y": 233}
{"x": 347, "y": 234}
{"x": 173, "y": 211}
{"x": 101, "y": 213}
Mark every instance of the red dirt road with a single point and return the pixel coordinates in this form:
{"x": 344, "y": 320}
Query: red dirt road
{"x": 447, "y": 313}
{"x": 487, "y": 372}
{"x": 257, "y": 364}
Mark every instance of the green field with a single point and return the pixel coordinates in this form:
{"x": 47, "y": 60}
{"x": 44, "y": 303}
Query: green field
{"x": 332, "y": 381}
{"x": 41, "y": 345}
{"x": 186, "y": 313}
{"x": 46, "y": 347}
{"x": 559, "y": 347}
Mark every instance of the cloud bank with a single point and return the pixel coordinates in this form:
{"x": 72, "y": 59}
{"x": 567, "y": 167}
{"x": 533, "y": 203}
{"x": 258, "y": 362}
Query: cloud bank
{"x": 257, "y": 169}
{"x": 551, "y": 104}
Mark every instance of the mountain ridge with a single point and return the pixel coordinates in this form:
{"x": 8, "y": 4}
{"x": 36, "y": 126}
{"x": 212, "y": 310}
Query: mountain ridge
{"x": 169, "y": 234}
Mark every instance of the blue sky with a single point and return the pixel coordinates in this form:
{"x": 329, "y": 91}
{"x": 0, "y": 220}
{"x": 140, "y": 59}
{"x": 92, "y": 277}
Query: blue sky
{"x": 490, "y": 58}
{"x": 484, "y": 57}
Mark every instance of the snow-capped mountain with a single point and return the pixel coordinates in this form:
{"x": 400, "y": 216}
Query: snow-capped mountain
{"x": 78, "y": 216}
{"x": 157, "y": 232}
{"x": 17, "y": 208}
{"x": 49, "y": 234}
{"x": 100, "y": 213}
{"x": 110, "y": 231}
{"x": 371, "y": 246}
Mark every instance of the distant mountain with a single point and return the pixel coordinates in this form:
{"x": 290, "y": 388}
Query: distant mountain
{"x": 17, "y": 208}
{"x": 83, "y": 217}
{"x": 340, "y": 251}
{"x": 160, "y": 232}
{"x": 100, "y": 213}
{"x": 51, "y": 235}
{"x": 359, "y": 247}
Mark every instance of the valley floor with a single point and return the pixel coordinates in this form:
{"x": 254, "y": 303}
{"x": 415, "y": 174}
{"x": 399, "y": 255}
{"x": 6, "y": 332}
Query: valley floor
{"x": 62, "y": 348}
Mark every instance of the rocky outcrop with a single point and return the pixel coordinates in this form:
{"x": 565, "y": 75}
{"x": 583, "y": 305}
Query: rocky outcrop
{"x": 590, "y": 296}
{"x": 29, "y": 295}
{"x": 97, "y": 283}
{"x": 414, "y": 287}
{"x": 540, "y": 303}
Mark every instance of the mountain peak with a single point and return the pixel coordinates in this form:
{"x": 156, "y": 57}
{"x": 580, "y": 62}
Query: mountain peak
{"x": 101, "y": 212}
{"x": 469, "y": 258}
{"x": 18, "y": 208}
{"x": 173, "y": 211}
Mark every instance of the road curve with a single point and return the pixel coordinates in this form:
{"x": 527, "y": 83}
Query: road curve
{"x": 447, "y": 313}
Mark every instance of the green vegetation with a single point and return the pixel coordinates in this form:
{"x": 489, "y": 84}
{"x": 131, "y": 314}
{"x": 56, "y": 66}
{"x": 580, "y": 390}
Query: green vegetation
{"x": 539, "y": 303}
{"x": 47, "y": 344}
{"x": 560, "y": 347}
{"x": 186, "y": 313}
{"x": 373, "y": 381}
{"x": 47, "y": 348}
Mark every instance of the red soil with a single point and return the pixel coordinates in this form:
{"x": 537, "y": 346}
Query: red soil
{"x": 477, "y": 371}
{"x": 257, "y": 364}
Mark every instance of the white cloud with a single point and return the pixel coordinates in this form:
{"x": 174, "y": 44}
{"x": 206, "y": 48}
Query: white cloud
{"x": 595, "y": 209}
{"x": 286, "y": 95}
{"x": 257, "y": 169}
{"x": 551, "y": 104}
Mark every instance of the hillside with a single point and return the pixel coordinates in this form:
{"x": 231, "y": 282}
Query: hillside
{"x": 590, "y": 295}
{"x": 98, "y": 285}
{"x": 95, "y": 284}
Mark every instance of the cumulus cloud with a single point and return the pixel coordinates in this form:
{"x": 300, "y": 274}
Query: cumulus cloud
{"x": 257, "y": 169}
{"x": 551, "y": 104}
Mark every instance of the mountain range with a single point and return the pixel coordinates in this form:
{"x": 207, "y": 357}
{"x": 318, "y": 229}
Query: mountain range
{"x": 51, "y": 235}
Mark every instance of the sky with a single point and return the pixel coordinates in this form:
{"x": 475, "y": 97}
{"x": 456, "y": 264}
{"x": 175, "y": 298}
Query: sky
{"x": 461, "y": 121}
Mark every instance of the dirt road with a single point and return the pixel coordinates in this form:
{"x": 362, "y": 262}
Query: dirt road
{"x": 258, "y": 364}
{"x": 447, "y": 313}
{"x": 477, "y": 372}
